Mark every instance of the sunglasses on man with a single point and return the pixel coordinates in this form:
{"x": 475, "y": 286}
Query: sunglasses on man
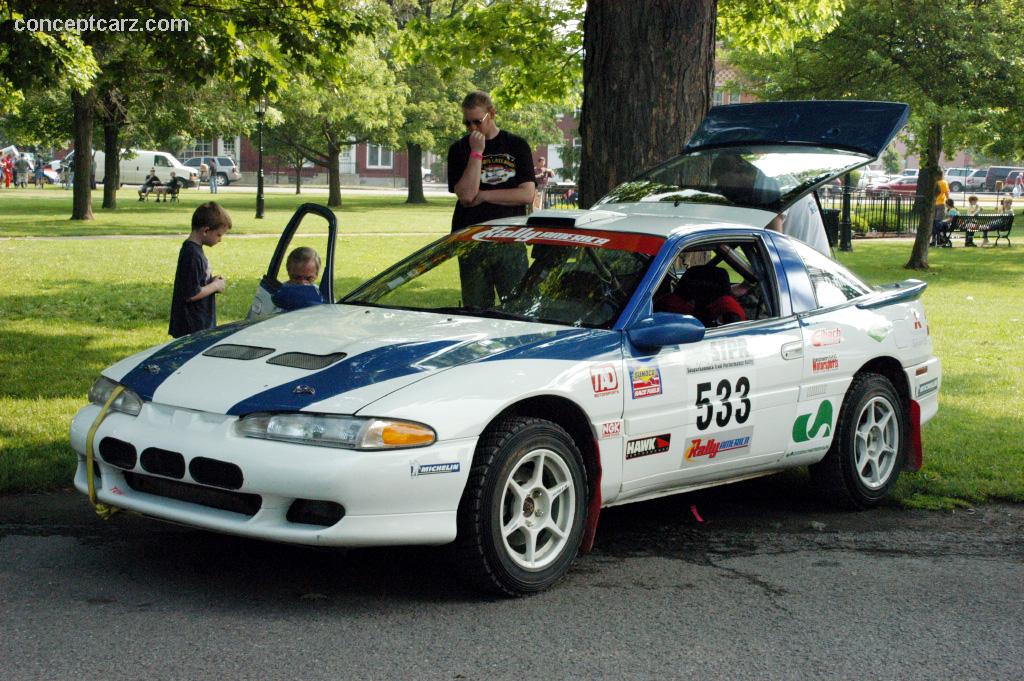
{"x": 476, "y": 121}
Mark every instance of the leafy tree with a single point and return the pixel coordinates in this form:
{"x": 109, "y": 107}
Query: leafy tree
{"x": 352, "y": 98}
{"x": 648, "y": 73}
{"x": 962, "y": 84}
{"x": 570, "y": 155}
{"x": 890, "y": 161}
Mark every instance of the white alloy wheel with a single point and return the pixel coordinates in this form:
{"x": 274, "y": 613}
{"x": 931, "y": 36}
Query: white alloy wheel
{"x": 538, "y": 509}
{"x": 877, "y": 443}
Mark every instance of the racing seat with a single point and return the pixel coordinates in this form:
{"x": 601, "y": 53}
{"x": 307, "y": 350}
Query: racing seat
{"x": 710, "y": 290}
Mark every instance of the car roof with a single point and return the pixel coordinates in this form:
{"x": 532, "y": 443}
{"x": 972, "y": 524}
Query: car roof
{"x": 655, "y": 218}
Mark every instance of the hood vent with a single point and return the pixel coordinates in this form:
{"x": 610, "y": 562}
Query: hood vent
{"x": 244, "y": 352}
{"x": 302, "y": 360}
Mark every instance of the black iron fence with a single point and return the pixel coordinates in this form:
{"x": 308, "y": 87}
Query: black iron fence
{"x": 886, "y": 213}
{"x": 561, "y": 197}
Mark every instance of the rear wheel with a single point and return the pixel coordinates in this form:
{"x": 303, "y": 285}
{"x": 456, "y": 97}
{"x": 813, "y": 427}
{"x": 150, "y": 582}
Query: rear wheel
{"x": 869, "y": 448}
{"x": 522, "y": 515}
{"x": 222, "y": 180}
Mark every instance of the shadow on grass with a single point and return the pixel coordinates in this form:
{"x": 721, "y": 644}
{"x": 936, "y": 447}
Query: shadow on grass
{"x": 36, "y": 465}
{"x": 997, "y": 265}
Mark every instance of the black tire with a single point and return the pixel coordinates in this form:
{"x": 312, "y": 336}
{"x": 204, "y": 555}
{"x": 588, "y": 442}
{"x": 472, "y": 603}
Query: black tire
{"x": 222, "y": 180}
{"x": 837, "y": 474}
{"x": 955, "y": 187}
{"x": 504, "y": 452}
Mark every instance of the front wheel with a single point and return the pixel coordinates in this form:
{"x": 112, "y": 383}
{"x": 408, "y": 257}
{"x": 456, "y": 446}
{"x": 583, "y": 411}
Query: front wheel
{"x": 868, "y": 451}
{"x": 522, "y": 515}
{"x": 955, "y": 187}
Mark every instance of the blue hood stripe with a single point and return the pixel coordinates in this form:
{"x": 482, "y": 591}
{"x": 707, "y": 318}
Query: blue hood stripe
{"x": 374, "y": 366}
{"x": 158, "y": 367}
{"x": 575, "y": 346}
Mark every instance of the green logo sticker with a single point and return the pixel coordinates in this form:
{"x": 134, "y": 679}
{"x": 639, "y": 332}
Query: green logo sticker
{"x": 822, "y": 419}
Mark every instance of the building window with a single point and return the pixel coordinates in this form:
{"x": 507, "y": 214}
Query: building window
{"x": 227, "y": 147}
{"x": 379, "y": 157}
{"x": 200, "y": 148}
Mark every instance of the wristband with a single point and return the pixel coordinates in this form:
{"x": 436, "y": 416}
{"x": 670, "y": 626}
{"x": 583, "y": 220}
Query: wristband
{"x": 476, "y": 154}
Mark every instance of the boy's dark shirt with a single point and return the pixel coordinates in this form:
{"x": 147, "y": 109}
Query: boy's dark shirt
{"x": 507, "y": 164}
{"x": 192, "y": 274}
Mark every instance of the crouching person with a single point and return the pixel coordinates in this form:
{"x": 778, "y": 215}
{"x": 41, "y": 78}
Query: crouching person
{"x": 300, "y": 290}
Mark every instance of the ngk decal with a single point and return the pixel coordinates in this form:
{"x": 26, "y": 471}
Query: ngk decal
{"x": 823, "y": 337}
{"x": 604, "y": 380}
{"x": 646, "y": 446}
{"x": 611, "y": 429}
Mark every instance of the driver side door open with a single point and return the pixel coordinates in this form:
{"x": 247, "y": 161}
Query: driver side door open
{"x": 722, "y": 406}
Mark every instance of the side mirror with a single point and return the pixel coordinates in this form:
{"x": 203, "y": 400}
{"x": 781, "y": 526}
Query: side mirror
{"x": 666, "y": 328}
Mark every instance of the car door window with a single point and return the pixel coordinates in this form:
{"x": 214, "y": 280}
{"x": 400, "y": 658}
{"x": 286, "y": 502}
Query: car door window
{"x": 720, "y": 283}
{"x": 833, "y": 284}
{"x": 161, "y": 162}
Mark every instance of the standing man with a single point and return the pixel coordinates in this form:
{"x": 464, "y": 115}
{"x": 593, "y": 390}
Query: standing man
{"x": 491, "y": 172}
{"x": 213, "y": 175}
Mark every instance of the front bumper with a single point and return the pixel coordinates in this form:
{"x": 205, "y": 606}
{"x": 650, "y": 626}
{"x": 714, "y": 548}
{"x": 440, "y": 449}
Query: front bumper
{"x": 387, "y": 496}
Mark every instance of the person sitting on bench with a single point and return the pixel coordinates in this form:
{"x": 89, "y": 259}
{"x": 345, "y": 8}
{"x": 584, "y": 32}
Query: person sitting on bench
{"x": 148, "y": 184}
{"x": 168, "y": 190}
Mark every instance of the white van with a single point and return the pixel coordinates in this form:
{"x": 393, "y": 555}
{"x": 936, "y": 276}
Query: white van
{"x": 136, "y": 164}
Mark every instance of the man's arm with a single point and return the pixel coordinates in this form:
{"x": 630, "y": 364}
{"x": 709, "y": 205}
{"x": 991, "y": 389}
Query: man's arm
{"x": 468, "y": 186}
{"x": 518, "y": 196}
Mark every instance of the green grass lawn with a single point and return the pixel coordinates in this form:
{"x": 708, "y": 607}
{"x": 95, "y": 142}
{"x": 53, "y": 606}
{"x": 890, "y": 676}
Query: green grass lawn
{"x": 70, "y": 307}
{"x": 46, "y": 212}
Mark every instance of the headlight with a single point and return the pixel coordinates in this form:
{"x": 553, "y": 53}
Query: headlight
{"x": 127, "y": 402}
{"x": 347, "y": 432}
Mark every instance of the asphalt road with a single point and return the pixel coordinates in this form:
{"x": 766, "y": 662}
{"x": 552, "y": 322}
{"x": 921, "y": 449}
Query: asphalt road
{"x": 771, "y": 585}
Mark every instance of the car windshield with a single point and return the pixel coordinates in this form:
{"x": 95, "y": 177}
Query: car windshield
{"x": 560, "y": 276}
{"x": 765, "y": 177}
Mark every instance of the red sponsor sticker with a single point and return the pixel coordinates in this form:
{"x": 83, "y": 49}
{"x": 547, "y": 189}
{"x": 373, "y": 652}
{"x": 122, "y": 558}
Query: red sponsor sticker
{"x": 822, "y": 337}
{"x": 823, "y": 364}
{"x": 604, "y": 380}
{"x": 618, "y": 241}
{"x": 646, "y": 381}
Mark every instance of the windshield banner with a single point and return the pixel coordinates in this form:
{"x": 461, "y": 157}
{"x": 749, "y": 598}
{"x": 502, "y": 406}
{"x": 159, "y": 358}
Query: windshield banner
{"x": 634, "y": 243}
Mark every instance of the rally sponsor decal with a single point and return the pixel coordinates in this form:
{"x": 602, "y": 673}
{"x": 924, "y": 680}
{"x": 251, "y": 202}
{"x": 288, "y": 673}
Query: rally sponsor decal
{"x": 927, "y": 387}
{"x": 730, "y": 442}
{"x": 604, "y": 379}
{"x": 611, "y": 429}
{"x": 645, "y": 446}
{"x": 821, "y": 365}
{"x": 646, "y": 380}
{"x": 637, "y": 243}
{"x": 728, "y": 353}
{"x": 811, "y": 426}
{"x": 433, "y": 468}
{"x": 825, "y": 337}
{"x": 880, "y": 332}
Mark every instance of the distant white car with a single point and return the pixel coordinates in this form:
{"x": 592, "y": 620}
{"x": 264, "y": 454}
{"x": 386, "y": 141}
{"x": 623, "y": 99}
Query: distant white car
{"x": 663, "y": 342}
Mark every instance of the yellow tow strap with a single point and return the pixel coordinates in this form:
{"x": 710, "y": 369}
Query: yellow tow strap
{"x": 102, "y": 510}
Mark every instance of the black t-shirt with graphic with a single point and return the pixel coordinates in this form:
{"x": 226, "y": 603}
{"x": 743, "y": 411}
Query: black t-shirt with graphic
{"x": 508, "y": 163}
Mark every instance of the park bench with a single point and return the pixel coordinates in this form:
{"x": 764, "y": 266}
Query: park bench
{"x": 999, "y": 224}
{"x": 169, "y": 191}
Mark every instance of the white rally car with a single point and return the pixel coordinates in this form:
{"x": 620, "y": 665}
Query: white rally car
{"x": 662, "y": 342}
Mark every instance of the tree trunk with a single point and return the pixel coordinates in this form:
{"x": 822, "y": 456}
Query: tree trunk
{"x": 648, "y": 79}
{"x": 298, "y": 173}
{"x": 111, "y": 164}
{"x": 84, "y": 105}
{"x": 414, "y": 153}
{"x": 333, "y": 174}
{"x": 924, "y": 200}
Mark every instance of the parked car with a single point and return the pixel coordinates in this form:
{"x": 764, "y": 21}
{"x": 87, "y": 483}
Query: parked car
{"x": 997, "y": 174}
{"x": 902, "y": 185}
{"x": 976, "y": 180}
{"x": 135, "y": 164}
{"x": 662, "y": 342}
{"x": 957, "y": 178}
{"x": 227, "y": 170}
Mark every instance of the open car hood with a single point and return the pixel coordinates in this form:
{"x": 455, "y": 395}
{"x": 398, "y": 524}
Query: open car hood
{"x": 785, "y": 150}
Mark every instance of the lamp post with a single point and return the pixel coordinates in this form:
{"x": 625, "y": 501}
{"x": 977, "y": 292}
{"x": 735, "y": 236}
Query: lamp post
{"x": 845, "y": 228}
{"x": 261, "y": 111}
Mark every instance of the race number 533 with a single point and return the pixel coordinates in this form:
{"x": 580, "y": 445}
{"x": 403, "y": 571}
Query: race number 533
{"x": 723, "y": 412}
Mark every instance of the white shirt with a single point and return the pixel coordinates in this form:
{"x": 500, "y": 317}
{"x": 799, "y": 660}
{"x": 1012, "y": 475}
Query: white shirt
{"x": 803, "y": 221}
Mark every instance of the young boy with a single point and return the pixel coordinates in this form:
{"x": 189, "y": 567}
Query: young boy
{"x": 300, "y": 290}
{"x": 193, "y": 307}
{"x": 973, "y": 209}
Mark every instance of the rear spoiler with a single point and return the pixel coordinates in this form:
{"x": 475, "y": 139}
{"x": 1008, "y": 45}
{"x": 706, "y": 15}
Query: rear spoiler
{"x": 890, "y": 294}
